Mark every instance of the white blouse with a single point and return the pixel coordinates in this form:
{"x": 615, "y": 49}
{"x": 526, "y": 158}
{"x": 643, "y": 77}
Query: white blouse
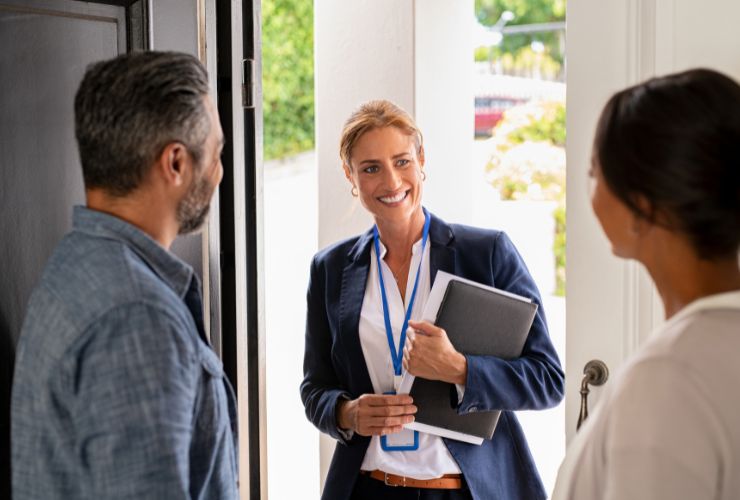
{"x": 668, "y": 426}
{"x": 432, "y": 459}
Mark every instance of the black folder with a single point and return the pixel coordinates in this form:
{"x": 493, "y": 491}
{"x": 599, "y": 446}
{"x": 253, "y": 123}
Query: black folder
{"x": 478, "y": 321}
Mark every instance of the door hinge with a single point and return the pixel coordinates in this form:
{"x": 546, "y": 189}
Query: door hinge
{"x": 248, "y": 83}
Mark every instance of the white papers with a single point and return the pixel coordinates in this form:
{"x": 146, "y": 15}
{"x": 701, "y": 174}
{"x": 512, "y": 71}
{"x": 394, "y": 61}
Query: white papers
{"x": 436, "y": 296}
{"x": 442, "y": 432}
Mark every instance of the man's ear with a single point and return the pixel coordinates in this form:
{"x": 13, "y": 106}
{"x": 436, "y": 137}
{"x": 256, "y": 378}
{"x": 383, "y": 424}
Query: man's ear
{"x": 174, "y": 163}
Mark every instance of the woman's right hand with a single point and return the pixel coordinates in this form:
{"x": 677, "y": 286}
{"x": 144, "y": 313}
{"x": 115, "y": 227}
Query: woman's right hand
{"x": 376, "y": 414}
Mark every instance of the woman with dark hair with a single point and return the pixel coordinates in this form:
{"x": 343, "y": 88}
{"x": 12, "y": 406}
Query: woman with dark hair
{"x": 666, "y": 190}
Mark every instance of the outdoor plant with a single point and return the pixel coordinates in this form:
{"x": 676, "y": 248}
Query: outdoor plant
{"x": 515, "y": 52}
{"x": 528, "y": 163}
{"x": 287, "y": 77}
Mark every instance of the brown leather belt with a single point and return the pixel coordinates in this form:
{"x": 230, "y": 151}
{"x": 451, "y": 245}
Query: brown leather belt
{"x": 446, "y": 482}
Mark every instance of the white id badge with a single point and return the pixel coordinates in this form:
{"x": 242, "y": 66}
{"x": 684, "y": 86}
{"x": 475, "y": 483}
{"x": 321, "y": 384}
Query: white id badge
{"x": 405, "y": 440}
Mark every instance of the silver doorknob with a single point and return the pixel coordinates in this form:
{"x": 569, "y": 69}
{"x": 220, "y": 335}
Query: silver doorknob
{"x": 594, "y": 373}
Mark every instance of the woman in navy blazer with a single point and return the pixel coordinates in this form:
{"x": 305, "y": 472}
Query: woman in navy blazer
{"x": 383, "y": 158}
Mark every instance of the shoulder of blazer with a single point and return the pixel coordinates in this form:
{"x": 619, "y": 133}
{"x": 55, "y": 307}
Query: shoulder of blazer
{"x": 463, "y": 236}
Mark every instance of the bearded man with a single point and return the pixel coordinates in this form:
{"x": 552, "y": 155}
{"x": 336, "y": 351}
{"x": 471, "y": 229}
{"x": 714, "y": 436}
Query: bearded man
{"x": 117, "y": 392}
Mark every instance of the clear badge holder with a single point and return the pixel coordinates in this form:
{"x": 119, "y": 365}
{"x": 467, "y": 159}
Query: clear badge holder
{"x": 405, "y": 440}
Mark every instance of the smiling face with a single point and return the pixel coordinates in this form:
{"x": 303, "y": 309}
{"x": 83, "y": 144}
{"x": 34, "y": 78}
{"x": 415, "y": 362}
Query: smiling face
{"x": 386, "y": 170}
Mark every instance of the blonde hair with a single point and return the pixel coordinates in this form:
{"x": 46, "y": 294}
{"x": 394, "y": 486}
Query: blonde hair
{"x": 372, "y": 115}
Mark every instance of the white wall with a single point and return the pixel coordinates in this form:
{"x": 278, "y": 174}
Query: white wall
{"x": 414, "y": 53}
{"x": 364, "y": 49}
{"x": 444, "y": 105}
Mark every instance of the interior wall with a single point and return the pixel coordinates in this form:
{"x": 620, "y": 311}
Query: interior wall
{"x": 444, "y": 104}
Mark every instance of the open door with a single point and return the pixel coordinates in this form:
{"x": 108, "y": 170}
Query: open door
{"x": 46, "y": 48}
{"x": 240, "y": 200}
{"x": 47, "y": 45}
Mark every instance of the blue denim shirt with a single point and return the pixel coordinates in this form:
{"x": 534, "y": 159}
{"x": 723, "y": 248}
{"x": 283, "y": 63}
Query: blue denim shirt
{"x": 117, "y": 393}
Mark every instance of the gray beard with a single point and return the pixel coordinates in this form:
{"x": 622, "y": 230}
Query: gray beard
{"x": 193, "y": 209}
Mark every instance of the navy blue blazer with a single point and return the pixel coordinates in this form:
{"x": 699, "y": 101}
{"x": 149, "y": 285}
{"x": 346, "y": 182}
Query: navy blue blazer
{"x": 334, "y": 365}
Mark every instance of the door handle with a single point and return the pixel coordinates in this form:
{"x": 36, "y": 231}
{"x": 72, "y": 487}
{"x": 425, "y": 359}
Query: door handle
{"x": 594, "y": 373}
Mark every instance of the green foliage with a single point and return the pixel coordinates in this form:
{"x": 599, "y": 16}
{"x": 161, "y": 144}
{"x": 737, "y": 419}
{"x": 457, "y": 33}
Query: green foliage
{"x": 526, "y": 11}
{"x": 481, "y": 54}
{"x": 550, "y": 127}
{"x": 287, "y": 77}
{"x": 528, "y": 163}
{"x": 538, "y": 175}
{"x": 528, "y": 152}
{"x": 488, "y": 13}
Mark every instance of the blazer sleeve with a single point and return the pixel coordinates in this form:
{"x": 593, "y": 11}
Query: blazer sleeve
{"x": 533, "y": 381}
{"x": 321, "y": 387}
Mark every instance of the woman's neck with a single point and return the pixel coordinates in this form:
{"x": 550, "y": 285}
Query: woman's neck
{"x": 399, "y": 237}
{"x": 683, "y": 277}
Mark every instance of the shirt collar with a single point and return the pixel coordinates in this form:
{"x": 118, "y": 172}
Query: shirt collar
{"x": 415, "y": 248}
{"x": 726, "y": 300}
{"x": 173, "y": 271}
{"x": 440, "y": 235}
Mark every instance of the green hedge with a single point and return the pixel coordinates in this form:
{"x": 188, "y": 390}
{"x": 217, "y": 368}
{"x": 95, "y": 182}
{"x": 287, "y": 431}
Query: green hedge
{"x": 287, "y": 77}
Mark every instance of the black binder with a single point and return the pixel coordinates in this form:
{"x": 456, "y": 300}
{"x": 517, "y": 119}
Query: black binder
{"x": 478, "y": 321}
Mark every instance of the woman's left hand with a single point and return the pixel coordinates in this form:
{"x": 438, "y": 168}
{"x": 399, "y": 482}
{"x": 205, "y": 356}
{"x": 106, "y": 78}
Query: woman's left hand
{"x": 429, "y": 354}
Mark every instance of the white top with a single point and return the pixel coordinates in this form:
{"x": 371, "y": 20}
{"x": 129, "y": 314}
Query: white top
{"x": 432, "y": 459}
{"x": 668, "y": 426}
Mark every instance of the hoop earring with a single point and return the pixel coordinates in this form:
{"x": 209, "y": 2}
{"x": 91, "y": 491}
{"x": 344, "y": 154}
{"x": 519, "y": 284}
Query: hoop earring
{"x": 423, "y": 175}
{"x": 354, "y": 191}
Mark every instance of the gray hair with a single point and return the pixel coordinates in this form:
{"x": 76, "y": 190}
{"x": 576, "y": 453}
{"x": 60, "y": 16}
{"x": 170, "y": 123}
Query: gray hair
{"x": 129, "y": 108}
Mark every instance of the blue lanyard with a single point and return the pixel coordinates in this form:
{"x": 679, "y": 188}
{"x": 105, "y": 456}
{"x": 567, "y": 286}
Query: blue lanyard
{"x": 397, "y": 356}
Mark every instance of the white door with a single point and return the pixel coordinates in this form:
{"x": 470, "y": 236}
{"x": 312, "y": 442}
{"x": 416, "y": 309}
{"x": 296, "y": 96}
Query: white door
{"x": 612, "y": 306}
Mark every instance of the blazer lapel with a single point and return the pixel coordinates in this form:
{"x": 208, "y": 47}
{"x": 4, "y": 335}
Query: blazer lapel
{"x": 442, "y": 251}
{"x": 354, "y": 280}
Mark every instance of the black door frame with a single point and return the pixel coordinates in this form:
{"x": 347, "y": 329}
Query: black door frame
{"x": 238, "y": 26}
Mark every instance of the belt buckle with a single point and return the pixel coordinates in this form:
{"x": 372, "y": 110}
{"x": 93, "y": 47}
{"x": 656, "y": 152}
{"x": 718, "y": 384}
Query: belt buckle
{"x": 385, "y": 480}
